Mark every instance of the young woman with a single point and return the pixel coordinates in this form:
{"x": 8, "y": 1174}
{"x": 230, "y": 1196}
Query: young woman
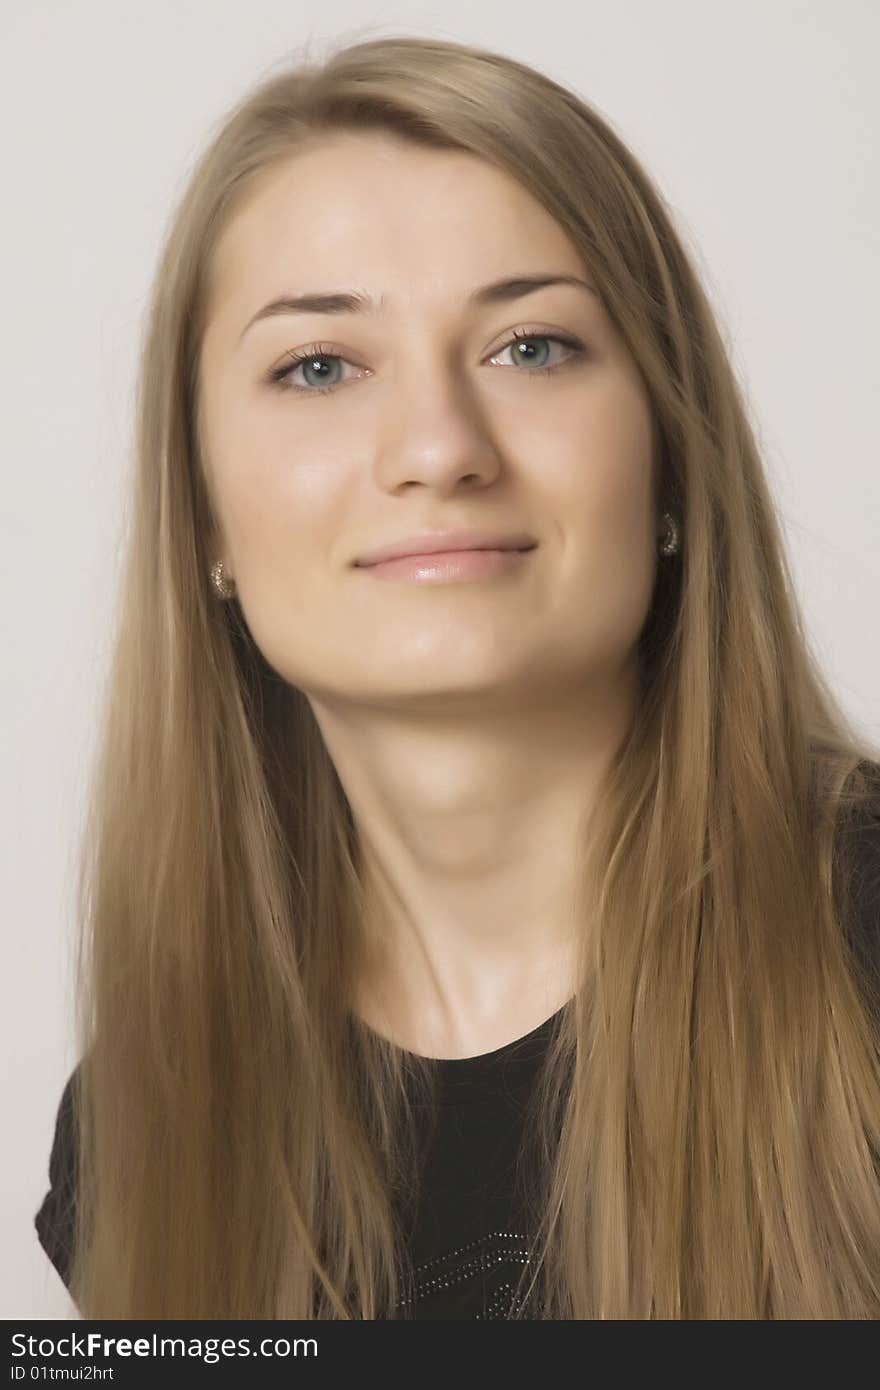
{"x": 489, "y": 932}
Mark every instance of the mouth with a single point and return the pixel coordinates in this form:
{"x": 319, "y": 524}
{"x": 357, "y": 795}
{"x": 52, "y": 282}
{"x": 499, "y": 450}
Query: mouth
{"x": 439, "y": 542}
{"x": 449, "y": 566}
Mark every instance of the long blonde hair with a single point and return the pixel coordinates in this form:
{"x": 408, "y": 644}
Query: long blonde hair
{"x": 709, "y": 1108}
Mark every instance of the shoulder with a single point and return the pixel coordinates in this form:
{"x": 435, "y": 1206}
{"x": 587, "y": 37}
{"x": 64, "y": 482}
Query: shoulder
{"x": 54, "y": 1222}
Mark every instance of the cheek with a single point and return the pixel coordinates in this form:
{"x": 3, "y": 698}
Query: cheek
{"x": 284, "y": 534}
{"x": 604, "y": 498}
{"x": 602, "y": 473}
{"x": 267, "y": 479}
{"x": 283, "y": 503}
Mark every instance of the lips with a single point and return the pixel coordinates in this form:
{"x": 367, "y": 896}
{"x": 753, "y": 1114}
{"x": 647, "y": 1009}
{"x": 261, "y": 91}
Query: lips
{"x": 449, "y": 566}
{"x": 432, "y": 543}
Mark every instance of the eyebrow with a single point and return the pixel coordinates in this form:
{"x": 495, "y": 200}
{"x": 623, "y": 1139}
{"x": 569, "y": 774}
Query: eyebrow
{"x": 356, "y": 302}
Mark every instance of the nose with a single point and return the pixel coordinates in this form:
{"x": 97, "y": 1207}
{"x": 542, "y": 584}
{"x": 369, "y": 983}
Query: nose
{"x": 439, "y": 437}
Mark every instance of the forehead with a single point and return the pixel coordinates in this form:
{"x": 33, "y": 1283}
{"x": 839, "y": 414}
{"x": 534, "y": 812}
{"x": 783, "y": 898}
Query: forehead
{"x": 391, "y": 216}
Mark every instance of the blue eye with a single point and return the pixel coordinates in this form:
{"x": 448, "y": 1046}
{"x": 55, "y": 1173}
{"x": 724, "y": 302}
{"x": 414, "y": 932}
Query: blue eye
{"x": 319, "y": 353}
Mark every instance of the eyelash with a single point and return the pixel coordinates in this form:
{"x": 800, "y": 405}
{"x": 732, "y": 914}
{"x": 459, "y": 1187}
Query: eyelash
{"x": 279, "y": 376}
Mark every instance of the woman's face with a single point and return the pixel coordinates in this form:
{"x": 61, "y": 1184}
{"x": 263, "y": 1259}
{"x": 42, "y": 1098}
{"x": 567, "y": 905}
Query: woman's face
{"x": 434, "y": 420}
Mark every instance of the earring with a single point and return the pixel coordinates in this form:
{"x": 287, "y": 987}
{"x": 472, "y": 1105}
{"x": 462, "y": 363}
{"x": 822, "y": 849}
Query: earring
{"x": 223, "y": 587}
{"x": 669, "y": 545}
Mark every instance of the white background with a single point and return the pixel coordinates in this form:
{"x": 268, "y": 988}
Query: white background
{"x": 759, "y": 122}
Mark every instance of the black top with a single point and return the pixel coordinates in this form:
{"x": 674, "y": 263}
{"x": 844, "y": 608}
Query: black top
{"x": 468, "y": 1244}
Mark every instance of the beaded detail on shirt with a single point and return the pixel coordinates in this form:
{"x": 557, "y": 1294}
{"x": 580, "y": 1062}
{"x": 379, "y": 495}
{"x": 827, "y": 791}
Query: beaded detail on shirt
{"x": 469, "y": 1265}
